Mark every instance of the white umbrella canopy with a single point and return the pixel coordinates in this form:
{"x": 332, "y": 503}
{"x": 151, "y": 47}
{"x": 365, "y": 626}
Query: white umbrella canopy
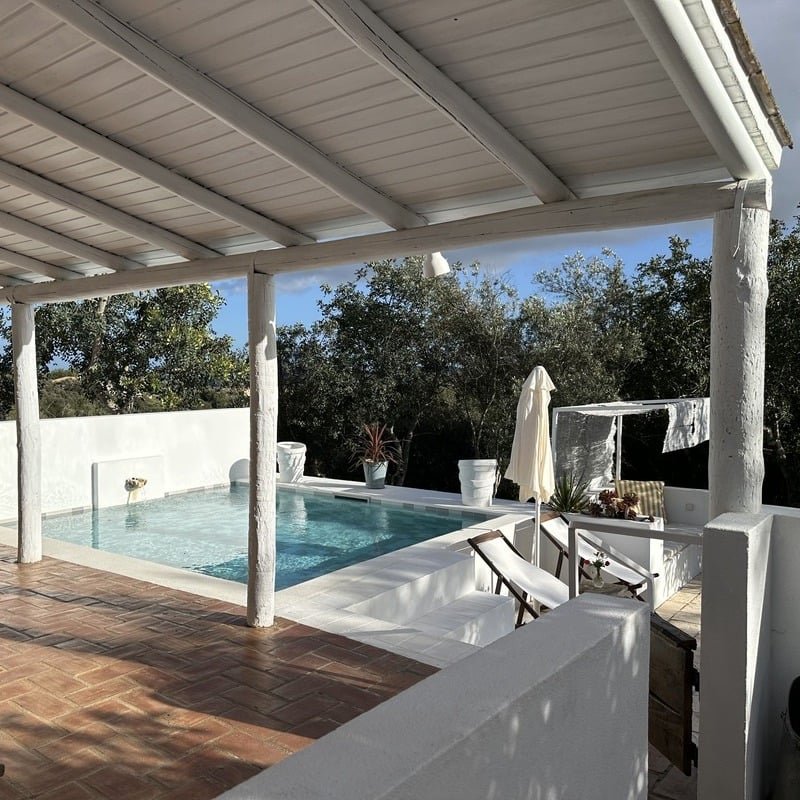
{"x": 531, "y": 464}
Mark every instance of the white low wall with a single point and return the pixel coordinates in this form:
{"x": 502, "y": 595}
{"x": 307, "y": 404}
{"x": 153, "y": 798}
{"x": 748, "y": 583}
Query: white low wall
{"x": 556, "y": 710}
{"x": 784, "y": 656}
{"x": 198, "y": 448}
{"x": 736, "y": 662}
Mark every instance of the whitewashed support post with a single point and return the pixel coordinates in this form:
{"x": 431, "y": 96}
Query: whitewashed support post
{"x": 29, "y": 447}
{"x": 738, "y": 309}
{"x": 263, "y": 448}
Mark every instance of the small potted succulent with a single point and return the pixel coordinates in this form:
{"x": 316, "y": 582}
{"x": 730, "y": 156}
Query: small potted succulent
{"x": 610, "y": 505}
{"x": 375, "y": 449}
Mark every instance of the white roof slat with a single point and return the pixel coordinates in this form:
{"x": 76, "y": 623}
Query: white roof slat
{"x": 401, "y": 171}
{"x": 579, "y": 67}
{"x": 638, "y": 159}
{"x": 539, "y": 61}
{"x": 189, "y": 29}
{"x": 560, "y": 153}
{"x": 657, "y": 176}
{"x": 56, "y": 67}
{"x": 602, "y": 134}
{"x": 323, "y": 53}
{"x": 187, "y": 79}
{"x": 562, "y": 113}
{"x": 76, "y": 95}
{"x": 459, "y": 21}
{"x": 575, "y": 81}
{"x": 500, "y": 101}
{"x": 380, "y": 124}
{"x": 25, "y": 24}
{"x": 601, "y": 26}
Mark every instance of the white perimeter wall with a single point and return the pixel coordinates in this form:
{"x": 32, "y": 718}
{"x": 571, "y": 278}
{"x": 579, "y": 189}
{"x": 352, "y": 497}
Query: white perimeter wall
{"x": 199, "y": 448}
{"x": 556, "y": 710}
{"x": 785, "y": 601}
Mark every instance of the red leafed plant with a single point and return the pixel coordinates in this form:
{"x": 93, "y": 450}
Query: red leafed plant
{"x": 610, "y": 504}
{"x": 375, "y": 444}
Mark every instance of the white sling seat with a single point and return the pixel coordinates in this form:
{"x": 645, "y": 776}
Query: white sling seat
{"x": 524, "y": 580}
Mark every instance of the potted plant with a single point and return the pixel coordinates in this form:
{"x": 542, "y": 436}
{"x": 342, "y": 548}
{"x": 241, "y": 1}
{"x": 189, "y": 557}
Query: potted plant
{"x": 375, "y": 449}
{"x": 571, "y": 495}
{"x": 609, "y": 504}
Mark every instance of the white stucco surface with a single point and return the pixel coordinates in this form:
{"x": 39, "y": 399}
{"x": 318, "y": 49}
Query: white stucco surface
{"x": 198, "y": 448}
{"x": 784, "y": 656}
{"x": 735, "y": 681}
{"x": 738, "y": 308}
{"x": 556, "y": 710}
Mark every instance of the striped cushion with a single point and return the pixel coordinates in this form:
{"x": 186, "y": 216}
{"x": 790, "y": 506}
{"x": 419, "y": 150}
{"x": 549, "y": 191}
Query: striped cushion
{"x": 650, "y": 494}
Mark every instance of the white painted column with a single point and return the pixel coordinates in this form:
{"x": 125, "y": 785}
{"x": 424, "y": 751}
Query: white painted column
{"x": 29, "y": 447}
{"x": 263, "y": 446}
{"x": 738, "y": 307}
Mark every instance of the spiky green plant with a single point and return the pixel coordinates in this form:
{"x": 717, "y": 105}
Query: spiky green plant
{"x": 571, "y": 494}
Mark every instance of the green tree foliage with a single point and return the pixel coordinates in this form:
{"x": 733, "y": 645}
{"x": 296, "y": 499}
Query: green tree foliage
{"x": 442, "y": 361}
{"x": 148, "y": 351}
{"x": 782, "y": 379}
{"x": 439, "y": 361}
{"x": 431, "y": 358}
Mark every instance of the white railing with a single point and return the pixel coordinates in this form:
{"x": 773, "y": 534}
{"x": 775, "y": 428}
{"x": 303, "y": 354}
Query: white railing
{"x": 582, "y": 529}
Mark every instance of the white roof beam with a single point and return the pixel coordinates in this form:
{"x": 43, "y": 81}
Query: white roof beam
{"x": 126, "y": 42}
{"x": 10, "y": 280}
{"x": 37, "y": 266}
{"x": 68, "y": 198}
{"x": 106, "y": 148}
{"x": 568, "y": 216}
{"x": 381, "y": 43}
{"x": 677, "y": 46}
{"x": 64, "y": 243}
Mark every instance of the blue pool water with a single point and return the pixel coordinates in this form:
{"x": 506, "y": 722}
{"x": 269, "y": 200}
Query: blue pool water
{"x": 207, "y": 532}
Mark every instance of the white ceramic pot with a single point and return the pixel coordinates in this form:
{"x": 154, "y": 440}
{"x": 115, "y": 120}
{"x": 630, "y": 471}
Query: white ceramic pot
{"x": 477, "y": 476}
{"x": 375, "y": 474}
{"x": 291, "y": 461}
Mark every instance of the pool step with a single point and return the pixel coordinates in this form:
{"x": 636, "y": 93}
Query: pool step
{"x": 477, "y": 618}
{"x": 417, "y": 585}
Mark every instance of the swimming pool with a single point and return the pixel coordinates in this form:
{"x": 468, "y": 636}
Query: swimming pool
{"x": 207, "y": 532}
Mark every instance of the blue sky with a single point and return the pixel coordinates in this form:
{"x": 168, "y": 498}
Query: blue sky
{"x": 772, "y": 25}
{"x": 297, "y": 294}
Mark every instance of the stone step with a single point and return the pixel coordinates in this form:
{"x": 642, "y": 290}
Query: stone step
{"x": 477, "y": 618}
{"x": 430, "y": 579}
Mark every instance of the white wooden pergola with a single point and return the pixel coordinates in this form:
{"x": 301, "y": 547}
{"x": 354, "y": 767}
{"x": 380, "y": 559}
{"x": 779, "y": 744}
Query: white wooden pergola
{"x": 151, "y": 143}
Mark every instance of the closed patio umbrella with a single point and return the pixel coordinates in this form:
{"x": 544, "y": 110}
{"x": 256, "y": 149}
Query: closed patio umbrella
{"x": 531, "y": 464}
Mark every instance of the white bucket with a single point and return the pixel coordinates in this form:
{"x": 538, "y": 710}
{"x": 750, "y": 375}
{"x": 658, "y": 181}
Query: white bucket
{"x": 477, "y": 476}
{"x": 291, "y": 461}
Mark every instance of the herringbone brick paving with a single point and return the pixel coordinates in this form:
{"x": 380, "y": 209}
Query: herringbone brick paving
{"x": 115, "y": 688}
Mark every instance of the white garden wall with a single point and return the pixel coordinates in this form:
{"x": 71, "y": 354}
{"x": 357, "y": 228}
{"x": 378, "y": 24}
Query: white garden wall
{"x": 557, "y": 709}
{"x": 785, "y": 601}
{"x": 196, "y": 448}
{"x": 735, "y": 677}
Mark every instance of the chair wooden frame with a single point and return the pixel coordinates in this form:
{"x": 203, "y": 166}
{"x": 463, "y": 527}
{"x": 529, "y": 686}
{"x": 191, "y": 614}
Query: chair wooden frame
{"x": 522, "y": 596}
{"x": 563, "y": 555}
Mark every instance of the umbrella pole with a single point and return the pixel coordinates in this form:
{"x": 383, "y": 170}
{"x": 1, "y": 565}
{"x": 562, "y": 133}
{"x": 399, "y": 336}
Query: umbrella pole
{"x": 536, "y": 532}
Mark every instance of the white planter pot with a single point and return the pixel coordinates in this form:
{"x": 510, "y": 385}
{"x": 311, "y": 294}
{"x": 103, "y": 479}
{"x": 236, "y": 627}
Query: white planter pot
{"x": 477, "y": 476}
{"x": 291, "y": 461}
{"x": 375, "y": 474}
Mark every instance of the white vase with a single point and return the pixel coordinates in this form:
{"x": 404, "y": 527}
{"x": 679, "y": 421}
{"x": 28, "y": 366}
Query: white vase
{"x": 291, "y": 461}
{"x": 477, "y": 476}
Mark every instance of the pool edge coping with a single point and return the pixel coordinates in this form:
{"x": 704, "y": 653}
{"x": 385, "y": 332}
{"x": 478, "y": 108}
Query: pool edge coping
{"x": 318, "y": 602}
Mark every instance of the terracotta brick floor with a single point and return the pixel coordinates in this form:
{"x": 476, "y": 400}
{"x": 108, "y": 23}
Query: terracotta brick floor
{"x": 115, "y": 688}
